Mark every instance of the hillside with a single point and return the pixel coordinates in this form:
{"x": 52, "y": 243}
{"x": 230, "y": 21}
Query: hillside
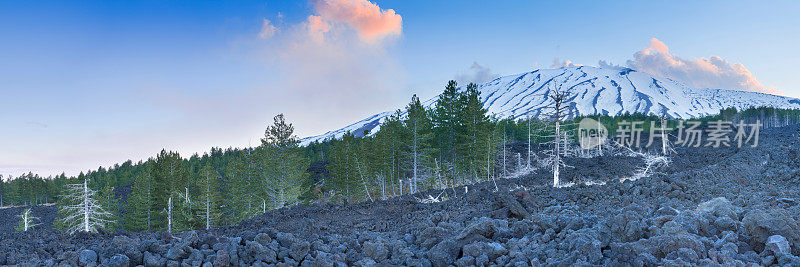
{"x": 711, "y": 206}
{"x": 596, "y": 91}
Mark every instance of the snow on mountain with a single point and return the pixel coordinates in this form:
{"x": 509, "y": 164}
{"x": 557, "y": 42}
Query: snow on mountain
{"x": 596, "y": 91}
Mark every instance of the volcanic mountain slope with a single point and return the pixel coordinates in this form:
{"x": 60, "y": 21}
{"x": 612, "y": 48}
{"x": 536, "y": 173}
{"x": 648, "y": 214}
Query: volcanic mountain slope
{"x": 722, "y": 206}
{"x": 595, "y": 91}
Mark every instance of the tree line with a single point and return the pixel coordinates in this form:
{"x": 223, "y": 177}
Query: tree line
{"x": 452, "y": 142}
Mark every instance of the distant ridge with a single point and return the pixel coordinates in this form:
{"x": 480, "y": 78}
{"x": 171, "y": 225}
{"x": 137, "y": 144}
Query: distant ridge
{"x": 597, "y": 91}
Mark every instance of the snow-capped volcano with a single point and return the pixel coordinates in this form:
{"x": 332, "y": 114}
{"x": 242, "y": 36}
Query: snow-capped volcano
{"x": 595, "y": 91}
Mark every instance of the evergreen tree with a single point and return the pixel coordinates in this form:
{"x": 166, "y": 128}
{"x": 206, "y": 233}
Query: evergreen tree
{"x": 383, "y": 155}
{"x": 210, "y": 198}
{"x": 244, "y": 180}
{"x": 170, "y": 180}
{"x": 419, "y": 150}
{"x": 107, "y": 200}
{"x": 494, "y": 151}
{"x": 474, "y": 132}
{"x": 446, "y": 126}
{"x": 343, "y": 168}
{"x": 284, "y": 165}
{"x": 3, "y": 189}
{"x": 140, "y": 204}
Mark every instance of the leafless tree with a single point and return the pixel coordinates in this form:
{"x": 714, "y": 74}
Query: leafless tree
{"x": 27, "y": 221}
{"x": 557, "y": 112}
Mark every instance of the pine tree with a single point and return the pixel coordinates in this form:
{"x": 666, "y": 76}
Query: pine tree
{"x": 345, "y": 177}
{"x": 383, "y": 152}
{"x": 493, "y": 150}
{"x": 419, "y": 150}
{"x": 474, "y": 132}
{"x": 284, "y": 164}
{"x": 140, "y": 213}
{"x": 170, "y": 180}
{"x": 446, "y": 125}
{"x": 242, "y": 177}
{"x": 3, "y": 189}
{"x": 108, "y": 201}
{"x": 210, "y": 198}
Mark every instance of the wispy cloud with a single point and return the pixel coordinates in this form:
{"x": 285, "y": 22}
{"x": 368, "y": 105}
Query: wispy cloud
{"x": 36, "y": 124}
{"x": 557, "y": 63}
{"x": 712, "y": 72}
{"x": 608, "y": 65}
{"x": 477, "y": 74}
{"x": 267, "y": 29}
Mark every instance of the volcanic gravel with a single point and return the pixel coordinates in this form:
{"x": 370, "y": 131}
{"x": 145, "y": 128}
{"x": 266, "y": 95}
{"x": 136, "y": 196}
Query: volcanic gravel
{"x": 732, "y": 206}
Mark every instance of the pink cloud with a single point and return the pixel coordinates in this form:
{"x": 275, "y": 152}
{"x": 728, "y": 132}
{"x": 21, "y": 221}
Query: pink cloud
{"x": 317, "y": 27}
{"x": 656, "y": 46}
{"x": 713, "y": 72}
{"x": 339, "y": 55}
{"x": 368, "y": 19}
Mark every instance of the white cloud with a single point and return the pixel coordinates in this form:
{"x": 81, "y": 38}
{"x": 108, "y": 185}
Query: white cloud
{"x": 561, "y": 64}
{"x": 476, "y": 74}
{"x": 713, "y": 72}
{"x": 337, "y": 65}
{"x": 608, "y": 65}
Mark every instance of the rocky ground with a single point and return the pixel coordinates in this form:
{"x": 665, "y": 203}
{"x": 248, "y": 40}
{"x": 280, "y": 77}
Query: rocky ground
{"x": 709, "y": 207}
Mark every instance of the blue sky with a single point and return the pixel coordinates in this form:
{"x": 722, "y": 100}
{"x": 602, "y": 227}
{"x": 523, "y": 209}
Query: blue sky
{"x": 93, "y": 83}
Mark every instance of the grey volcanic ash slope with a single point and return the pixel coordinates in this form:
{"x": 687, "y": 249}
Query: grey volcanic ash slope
{"x": 729, "y": 207}
{"x": 597, "y": 91}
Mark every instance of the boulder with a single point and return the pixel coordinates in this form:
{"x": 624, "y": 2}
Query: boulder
{"x": 431, "y": 236}
{"x": 777, "y": 244}
{"x": 119, "y": 260}
{"x": 762, "y": 225}
{"x": 444, "y": 253}
{"x": 684, "y": 254}
{"x": 87, "y": 257}
{"x": 153, "y": 260}
{"x": 585, "y": 246}
{"x": 263, "y": 238}
{"x": 257, "y": 252}
{"x": 718, "y": 207}
{"x": 661, "y": 246}
{"x": 299, "y": 249}
{"x": 178, "y": 252}
{"x": 514, "y": 207}
{"x": 491, "y": 249}
{"x": 482, "y": 228}
{"x": 629, "y": 224}
{"x": 465, "y": 261}
{"x": 222, "y": 259}
{"x": 376, "y": 250}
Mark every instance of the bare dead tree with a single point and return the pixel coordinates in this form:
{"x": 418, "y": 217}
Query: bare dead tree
{"x": 652, "y": 162}
{"x": 666, "y": 147}
{"x": 557, "y": 113}
{"x": 27, "y": 221}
